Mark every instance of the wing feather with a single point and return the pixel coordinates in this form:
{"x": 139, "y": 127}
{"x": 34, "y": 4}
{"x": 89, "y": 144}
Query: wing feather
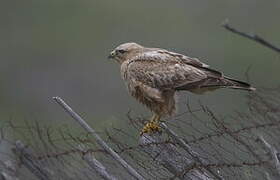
{"x": 182, "y": 58}
{"x": 159, "y": 71}
{"x": 164, "y": 55}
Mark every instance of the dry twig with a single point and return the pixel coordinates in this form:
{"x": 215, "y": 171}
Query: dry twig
{"x": 95, "y": 164}
{"x": 253, "y": 37}
{"x": 171, "y": 158}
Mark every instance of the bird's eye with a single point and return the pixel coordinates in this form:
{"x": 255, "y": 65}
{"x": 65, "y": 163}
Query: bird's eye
{"x": 121, "y": 51}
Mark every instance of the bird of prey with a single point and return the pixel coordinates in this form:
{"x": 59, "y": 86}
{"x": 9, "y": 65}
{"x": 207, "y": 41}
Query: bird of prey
{"x": 154, "y": 75}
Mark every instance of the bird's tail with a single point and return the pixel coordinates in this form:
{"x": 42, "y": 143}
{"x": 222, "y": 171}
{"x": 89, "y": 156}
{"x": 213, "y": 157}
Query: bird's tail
{"x": 213, "y": 83}
{"x": 226, "y": 82}
{"x": 236, "y": 84}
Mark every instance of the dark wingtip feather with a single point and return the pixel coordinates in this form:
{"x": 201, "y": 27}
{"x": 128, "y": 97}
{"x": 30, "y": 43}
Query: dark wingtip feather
{"x": 237, "y": 84}
{"x": 241, "y": 88}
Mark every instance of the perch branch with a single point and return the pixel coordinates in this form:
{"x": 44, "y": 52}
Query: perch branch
{"x": 91, "y": 131}
{"x": 188, "y": 149}
{"x": 95, "y": 164}
{"x": 273, "y": 165}
{"x": 253, "y": 37}
{"x": 31, "y": 163}
{"x": 8, "y": 170}
{"x": 170, "y": 157}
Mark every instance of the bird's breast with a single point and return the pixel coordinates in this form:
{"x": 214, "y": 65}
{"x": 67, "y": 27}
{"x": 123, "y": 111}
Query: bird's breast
{"x": 124, "y": 68}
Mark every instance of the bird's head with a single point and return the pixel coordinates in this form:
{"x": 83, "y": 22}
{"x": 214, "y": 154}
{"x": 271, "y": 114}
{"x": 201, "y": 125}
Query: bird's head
{"x": 123, "y": 51}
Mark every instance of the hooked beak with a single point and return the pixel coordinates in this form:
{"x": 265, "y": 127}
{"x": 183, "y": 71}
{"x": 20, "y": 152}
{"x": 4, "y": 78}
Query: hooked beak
{"x": 112, "y": 55}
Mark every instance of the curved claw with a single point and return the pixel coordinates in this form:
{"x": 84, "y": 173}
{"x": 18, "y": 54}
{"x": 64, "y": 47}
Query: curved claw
{"x": 151, "y": 127}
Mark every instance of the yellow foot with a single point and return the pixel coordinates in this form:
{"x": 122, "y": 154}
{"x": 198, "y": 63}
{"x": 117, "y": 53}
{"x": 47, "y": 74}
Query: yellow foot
{"x": 150, "y": 127}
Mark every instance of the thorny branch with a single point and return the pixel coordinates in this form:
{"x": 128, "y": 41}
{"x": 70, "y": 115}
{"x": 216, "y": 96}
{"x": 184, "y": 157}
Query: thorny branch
{"x": 248, "y": 128}
{"x": 226, "y": 148}
{"x": 131, "y": 148}
{"x": 75, "y": 150}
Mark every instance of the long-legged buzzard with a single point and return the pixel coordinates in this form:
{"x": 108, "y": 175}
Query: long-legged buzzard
{"x": 153, "y": 76}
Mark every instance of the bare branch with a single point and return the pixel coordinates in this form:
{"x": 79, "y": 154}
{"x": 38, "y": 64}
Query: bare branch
{"x": 273, "y": 168}
{"x": 188, "y": 149}
{"x": 171, "y": 158}
{"x": 31, "y": 163}
{"x": 91, "y": 131}
{"x": 8, "y": 170}
{"x": 95, "y": 164}
{"x": 253, "y": 37}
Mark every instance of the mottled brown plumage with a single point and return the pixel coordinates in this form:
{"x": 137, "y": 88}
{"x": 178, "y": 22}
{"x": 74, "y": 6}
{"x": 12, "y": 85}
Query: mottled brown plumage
{"x": 153, "y": 76}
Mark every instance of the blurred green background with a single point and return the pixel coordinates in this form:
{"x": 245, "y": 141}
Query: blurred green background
{"x": 60, "y": 47}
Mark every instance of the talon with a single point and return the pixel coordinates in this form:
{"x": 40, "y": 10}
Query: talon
{"x": 151, "y": 127}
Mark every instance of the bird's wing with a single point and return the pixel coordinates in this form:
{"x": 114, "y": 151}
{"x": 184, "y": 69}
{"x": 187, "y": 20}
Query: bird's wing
{"x": 168, "y": 55}
{"x": 161, "y": 71}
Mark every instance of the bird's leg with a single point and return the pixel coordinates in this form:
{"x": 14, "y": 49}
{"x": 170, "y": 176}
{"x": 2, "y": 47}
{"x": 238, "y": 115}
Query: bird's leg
{"x": 155, "y": 119}
{"x": 152, "y": 125}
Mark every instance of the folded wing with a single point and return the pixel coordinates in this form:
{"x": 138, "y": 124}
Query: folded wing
{"x": 168, "y": 71}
